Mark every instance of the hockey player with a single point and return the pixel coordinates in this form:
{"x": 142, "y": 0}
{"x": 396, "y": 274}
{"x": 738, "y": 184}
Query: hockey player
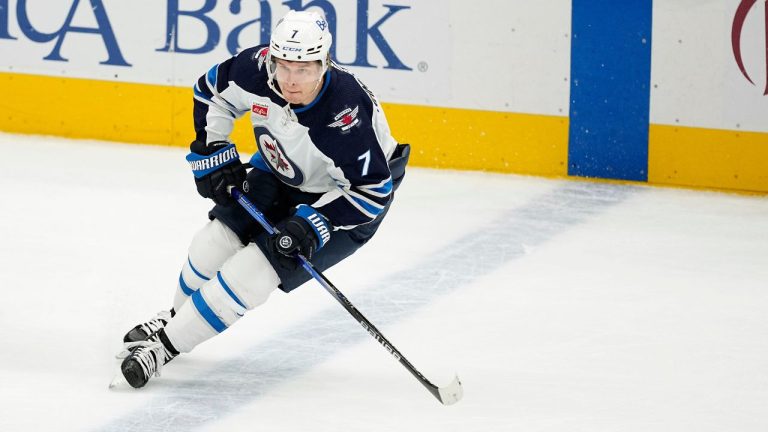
{"x": 325, "y": 171}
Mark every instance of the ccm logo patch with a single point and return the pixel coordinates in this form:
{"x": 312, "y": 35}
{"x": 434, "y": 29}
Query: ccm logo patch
{"x": 260, "y": 110}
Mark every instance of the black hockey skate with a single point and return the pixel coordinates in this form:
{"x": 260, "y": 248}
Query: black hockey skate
{"x": 146, "y": 358}
{"x": 142, "y": 331}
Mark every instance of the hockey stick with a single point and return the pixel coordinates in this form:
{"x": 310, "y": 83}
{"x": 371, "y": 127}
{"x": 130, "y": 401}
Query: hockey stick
{"x": 447, "y": 395}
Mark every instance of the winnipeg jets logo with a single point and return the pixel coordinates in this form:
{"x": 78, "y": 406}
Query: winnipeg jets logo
{"x": 346, "y": 119}
{"x": 279, "y": 162}
{"x": 261, "y": 56}
{"x": 275, "y": 156}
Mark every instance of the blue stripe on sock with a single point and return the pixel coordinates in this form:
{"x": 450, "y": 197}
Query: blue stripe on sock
{"x": 184, "y": 287}
{"x": 200, "y": 275}
{"x": 228, "y": 290}
{"x": 207, "y": 313}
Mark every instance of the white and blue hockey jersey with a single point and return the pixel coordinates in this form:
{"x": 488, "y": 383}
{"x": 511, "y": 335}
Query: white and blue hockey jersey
{"x": 337, "y": 146}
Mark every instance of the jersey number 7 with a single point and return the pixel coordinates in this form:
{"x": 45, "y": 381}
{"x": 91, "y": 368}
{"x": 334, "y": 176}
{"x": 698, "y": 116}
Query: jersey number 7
{"x": 366, "y": 158}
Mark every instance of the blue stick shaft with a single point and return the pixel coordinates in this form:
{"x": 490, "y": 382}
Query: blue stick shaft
{"x": 250, "y": 208}
{"x": 264, "y": 222}
{"x": 341, "y": 298}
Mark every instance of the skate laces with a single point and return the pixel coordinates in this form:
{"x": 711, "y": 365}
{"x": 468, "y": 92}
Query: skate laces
{"x": 157, "y": 322}
{"x": 154, "y": 324}
{"x": 150, "y": 355}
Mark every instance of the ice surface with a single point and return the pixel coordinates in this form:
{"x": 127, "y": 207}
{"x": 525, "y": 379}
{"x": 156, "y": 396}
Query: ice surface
{"x": 562, "y": 305}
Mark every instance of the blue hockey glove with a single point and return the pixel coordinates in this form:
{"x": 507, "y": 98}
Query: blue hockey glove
{"x": 305, "y": 232}
{"x": 216, "y": 166}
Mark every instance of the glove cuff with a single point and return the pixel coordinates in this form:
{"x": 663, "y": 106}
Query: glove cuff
{"x": 203, "y": 165}
{"x": 317, "y": 221}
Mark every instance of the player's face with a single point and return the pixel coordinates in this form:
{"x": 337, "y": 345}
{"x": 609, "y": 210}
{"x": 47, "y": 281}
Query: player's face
{"x": 299, "y": 81}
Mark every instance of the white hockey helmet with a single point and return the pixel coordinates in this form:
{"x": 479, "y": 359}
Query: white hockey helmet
{"x": 300, "y": 36}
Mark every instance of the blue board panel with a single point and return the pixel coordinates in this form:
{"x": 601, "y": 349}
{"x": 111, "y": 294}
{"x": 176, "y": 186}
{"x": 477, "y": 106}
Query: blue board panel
{"x": 610, "y": 89}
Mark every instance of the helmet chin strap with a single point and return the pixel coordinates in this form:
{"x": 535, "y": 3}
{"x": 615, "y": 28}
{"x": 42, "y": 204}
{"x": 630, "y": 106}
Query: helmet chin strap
{"x": 315, "y": 90}
{"x": 271, "y": 83}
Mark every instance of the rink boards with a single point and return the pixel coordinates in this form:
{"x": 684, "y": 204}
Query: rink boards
{"x": 659, "y": 91}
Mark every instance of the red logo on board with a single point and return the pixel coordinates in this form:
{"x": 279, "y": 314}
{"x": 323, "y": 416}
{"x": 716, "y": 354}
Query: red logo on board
{"x": 738, "y": 25}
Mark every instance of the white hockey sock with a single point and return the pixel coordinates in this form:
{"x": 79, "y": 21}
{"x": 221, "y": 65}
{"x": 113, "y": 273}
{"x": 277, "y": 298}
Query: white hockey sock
{"x": 210, "y": 248}
{"x": 245, "y": 281}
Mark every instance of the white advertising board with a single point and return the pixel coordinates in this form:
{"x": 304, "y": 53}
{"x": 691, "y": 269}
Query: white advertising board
{"x": 510, "y": 56}
{"x": 696, "y": 76}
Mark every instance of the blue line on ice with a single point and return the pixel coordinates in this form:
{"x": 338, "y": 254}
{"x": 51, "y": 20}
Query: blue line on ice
{"x": 234, "y": 383}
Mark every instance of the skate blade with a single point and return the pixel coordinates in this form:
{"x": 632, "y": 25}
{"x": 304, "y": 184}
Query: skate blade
{"x": 118, "y": 381}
